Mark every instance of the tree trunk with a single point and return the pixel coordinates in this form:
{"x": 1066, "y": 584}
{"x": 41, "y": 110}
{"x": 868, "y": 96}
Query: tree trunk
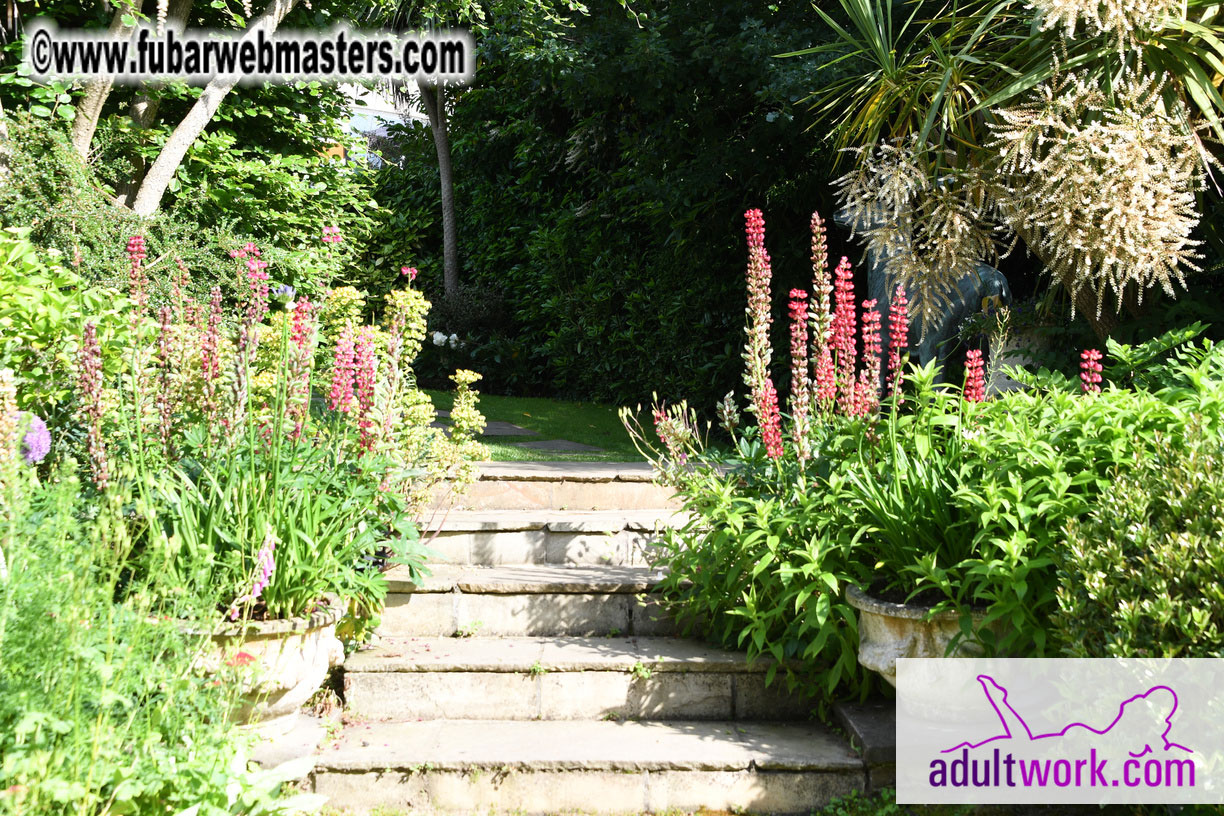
{"x": 148, "y": 199}
{"x": 434, "y": 101}
{"x": 144, "y": 106}
{"x": 89, "y": 109}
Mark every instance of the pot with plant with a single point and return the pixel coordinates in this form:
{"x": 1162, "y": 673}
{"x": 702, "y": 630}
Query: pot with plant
{"x": 923, "y": 592}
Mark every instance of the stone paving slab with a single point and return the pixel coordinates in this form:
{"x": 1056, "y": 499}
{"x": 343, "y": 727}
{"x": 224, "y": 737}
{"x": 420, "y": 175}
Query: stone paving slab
{"x": 872, "y": 726}
{"x": 528, "y": 579}
{"x": 557, "y": 521}
{"x": 520, "y": 654}
{"x": 428, "y": 791}
{"x": 557, "y": 745}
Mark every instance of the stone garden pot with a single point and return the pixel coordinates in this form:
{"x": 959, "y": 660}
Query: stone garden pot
{"x": 888, "y": 631}
{"x": 289, "y": 661}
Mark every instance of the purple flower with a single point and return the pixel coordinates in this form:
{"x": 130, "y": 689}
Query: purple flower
{"x": 36, "y": 442}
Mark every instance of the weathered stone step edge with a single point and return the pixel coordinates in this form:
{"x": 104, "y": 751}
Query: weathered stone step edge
{"x": 562, "y": 745}
{"x": 550, "y": 654}
{"x": 527, "y": 579}
{"x": 566, "y": 471}
{"x": 554, "y": 521}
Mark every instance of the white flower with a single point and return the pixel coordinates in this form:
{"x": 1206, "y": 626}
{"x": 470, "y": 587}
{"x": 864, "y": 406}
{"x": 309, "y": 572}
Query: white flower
{"x": 439, "y": 339}
{"x": 454, "y": 341}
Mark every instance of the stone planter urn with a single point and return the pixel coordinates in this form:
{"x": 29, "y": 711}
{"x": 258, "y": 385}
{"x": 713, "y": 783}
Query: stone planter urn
{"x": 888, "y": 631}
{"x": 288, "y": 659}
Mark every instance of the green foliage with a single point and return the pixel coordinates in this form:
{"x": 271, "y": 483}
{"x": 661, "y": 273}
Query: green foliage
{"x": 66, "y": 208}
{"x": 42, "y": 303}
{"x": 955, "y": 505}
{"x": 602, "y": 210}
{"x": 1139, "y": 576}
{"x": 324, "y": 515}
{"x": 761, "y": 567}
{"x": 101, "y": 708}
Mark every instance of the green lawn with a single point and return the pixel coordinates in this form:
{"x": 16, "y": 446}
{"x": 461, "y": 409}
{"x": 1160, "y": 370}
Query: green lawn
{"x": 583, "y": 422}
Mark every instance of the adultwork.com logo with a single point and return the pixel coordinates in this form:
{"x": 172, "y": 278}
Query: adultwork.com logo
{"x": 1060, "y": 731}
{"x": 1132, "y": 750}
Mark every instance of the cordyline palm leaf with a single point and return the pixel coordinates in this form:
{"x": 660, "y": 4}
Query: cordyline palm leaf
{"x": 940, "y": 71}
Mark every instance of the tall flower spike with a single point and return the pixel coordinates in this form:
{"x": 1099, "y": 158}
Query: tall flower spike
{"x": 801, "y": 386}
{"x": 975, "y": 382}
{"x": 364, "y": 373}
{"x": 9, "y": 418}
{"x": 1090, "y": 371}
{"x": 89, "y": 394}
{"x": 301, "y": 363}
{"x": 771, "y": 422}
{"x": 842, "y": 341}
{"x": 898, "y": 341}
{"x": 340, "y": 397}
{"x": 867, "y": 392}
{"x": 137, "y": 280}
{"x": 757, "y": 353}
{"x": 822, "y": 286}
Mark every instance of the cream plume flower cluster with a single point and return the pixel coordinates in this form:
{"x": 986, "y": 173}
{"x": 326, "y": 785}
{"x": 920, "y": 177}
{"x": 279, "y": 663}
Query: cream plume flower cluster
{"x": 1102, "y": 189}
{"x": 931, "y": 232}
{"x": 1123, "y": 19}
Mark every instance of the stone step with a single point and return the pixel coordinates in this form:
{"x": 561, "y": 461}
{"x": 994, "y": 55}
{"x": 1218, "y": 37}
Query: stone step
{"x": 582, "y": 766}
{"x": 562, "y": 679}
{"x": 524, "y": 600}
{"x": 561, "y": 486}
{"x": 488, "y": 537}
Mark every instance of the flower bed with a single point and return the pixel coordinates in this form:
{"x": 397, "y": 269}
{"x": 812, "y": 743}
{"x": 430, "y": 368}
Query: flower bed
{"x": 912, "y": 491}
{"x": 205, "y": 471}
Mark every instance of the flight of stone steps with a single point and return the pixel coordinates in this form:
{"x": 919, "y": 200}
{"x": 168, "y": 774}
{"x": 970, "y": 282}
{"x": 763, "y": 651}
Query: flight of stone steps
{"x": 534, "y": 672}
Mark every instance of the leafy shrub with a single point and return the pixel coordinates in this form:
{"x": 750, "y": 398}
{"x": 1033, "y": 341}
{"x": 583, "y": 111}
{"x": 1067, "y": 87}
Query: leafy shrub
{"x": 101, "y": 708}
{"x": 1139, "y": 575}
{"x": 761, "y": 566}
{"x": 42, "y": 304}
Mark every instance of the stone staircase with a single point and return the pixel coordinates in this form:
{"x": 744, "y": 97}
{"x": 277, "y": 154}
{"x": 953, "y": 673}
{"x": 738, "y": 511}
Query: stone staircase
{"x": 534, "y": 672}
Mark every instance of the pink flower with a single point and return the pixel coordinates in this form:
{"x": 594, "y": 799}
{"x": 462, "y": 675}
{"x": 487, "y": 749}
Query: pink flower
{"x": 975, "y": 383}
{"x": 801, "y": 386}
{"x": 842, "y": 341}
{"x": 898, "y": 341}
{"x": 210, "y": 356}
{"x": 331, "y": 235}
{"x": 257, "y": 290}
{"x": 409, "y": 272}
{"x": 89, "y": 394}
{"x": 771, "y": 422}
{"x": 137, "y": 281}
{"x": 265, "y": 565}
{"x": 1090, "y": 371}
{"x": 867, "y": 392}
{"x": 241, "y": 659}
{"x": 822, "y": 319}
{"x": 343, "y": 371}
{"x": 301, "y": 362}
{"x": 758, "y": 351}
{"x": 364, "y": 362}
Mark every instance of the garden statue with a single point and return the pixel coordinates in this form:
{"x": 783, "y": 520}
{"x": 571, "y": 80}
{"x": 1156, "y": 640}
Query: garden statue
{"x": 984, "y": 288}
